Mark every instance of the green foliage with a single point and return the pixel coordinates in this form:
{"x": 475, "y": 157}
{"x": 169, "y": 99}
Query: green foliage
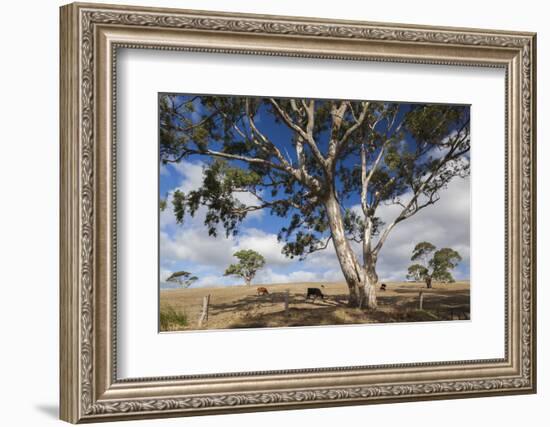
{"x": 417, "y": 272}
{"x": 444, "y": 260}
{"x": 436, "y": 264}
{"x": 220, "y": 184}
{"x": 172, "y": 319}
{"x": 427, "y": 123}
{"x": 249, "y": 263}
{"x": 422, "y": 252}
{"x": 443, "y": 276}
{"x": 182, "y": 278}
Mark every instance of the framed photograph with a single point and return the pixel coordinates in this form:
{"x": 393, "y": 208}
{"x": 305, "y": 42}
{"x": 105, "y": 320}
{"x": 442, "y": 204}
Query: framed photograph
{"x": 267, "y": 212}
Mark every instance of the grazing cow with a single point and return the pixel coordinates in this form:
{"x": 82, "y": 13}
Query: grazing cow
{"x": 383, "y": 287}
{"x": 314, "y": 293}
{"x": 262, "y": 291}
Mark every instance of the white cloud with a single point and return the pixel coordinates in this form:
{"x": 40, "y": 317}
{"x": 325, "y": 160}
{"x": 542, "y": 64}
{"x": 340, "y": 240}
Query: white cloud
{"x": 264, "y": 243}
{"x": 194, "y": 245}
{"x": 191, "y": 174}
{"x": 445, "y": 224}
{"x": 269, "y": 276}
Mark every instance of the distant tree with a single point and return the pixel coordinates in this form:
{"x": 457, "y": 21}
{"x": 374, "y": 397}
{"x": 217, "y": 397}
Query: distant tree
{"x": 312, "y": 163}
{"x": 433, "y": 265}
{"x": 182, "y": 278}
{"x": 249, "y": 263}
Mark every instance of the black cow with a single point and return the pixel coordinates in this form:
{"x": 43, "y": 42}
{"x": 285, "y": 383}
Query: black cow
{"x": 383, "y": 287}
{"x": 314, "y": 293}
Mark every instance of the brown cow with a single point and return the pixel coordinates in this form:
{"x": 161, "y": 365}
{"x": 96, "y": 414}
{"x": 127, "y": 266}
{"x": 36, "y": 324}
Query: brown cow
{"x": 262, "y": 291}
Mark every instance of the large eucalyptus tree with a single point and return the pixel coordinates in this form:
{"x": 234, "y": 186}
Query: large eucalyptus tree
{"x": 327, "y": 166}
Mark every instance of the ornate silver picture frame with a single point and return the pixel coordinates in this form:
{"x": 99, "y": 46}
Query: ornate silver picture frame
{"x": 91, "y": 36}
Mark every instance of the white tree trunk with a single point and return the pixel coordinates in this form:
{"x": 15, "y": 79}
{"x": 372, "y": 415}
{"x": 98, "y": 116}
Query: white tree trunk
{"x": 370, "y": 278}
{"x": 351, "y": 269}
{"x": 361, "y": 279}
{"x": 370, "y": 283}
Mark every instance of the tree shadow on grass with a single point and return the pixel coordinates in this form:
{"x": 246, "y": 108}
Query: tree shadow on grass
{"x": 274, "y": 298}
{"x": 459, "y": 302}
{"x": 298, "y": 317}
{"x": 325, "y": 316}
{"x": 258, "y": 311}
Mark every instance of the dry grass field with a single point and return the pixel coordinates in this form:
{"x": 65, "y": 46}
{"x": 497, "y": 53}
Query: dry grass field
{"x": 241, "y": 307}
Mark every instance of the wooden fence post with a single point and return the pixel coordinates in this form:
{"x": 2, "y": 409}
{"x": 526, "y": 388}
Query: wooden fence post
{"x": 204, "y": 314}
{"x": 420, "y": 300}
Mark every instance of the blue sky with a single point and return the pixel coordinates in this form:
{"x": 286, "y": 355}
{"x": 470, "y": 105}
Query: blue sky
{"x": 188, "y": 246}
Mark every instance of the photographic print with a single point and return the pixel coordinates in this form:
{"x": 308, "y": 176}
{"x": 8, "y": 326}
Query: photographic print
{"x": 282, "y": 212}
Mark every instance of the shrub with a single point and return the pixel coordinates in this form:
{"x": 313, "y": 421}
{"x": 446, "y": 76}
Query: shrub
{"x": 172, "y": 319}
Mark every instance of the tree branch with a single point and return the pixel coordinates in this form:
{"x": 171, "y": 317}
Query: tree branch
{"x": 356, "y": 125}
{"x": 268, "y": 203}
{"x": 267, "y": 141}
{"x": 320, "y": 247}
{"x": 365, "y": 179}
{"x": 406, "y": 212}
{"x": 208, "y": 152}
{"x": 306, "y": 135}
